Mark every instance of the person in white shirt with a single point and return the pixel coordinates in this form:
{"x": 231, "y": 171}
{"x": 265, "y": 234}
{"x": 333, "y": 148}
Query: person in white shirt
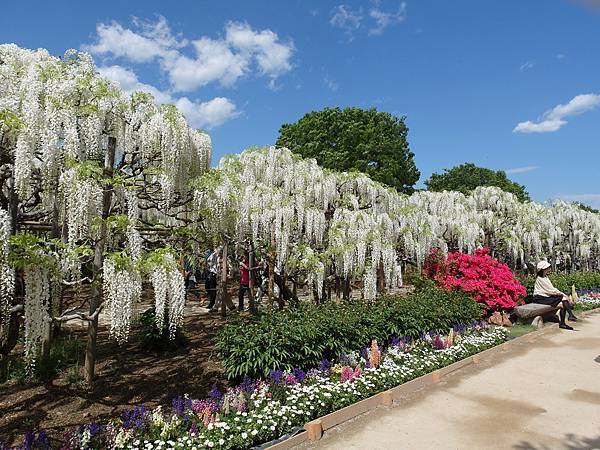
{"x": 545, "y": 293}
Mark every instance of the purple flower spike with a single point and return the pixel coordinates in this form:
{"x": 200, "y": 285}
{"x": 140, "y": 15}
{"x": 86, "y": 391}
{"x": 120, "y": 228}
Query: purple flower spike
{"x": 324, "y": 365}
{"x": 299, "y": 375}
{"x": 215, "y": 394}
{"x": 276, "y": 376}
{"x": 248, "y": 385}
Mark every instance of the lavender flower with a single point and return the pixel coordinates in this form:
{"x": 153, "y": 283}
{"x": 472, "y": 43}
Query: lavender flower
{"x": 324, "y": 365}
{"x": 364, "y": 353}
{"x": 94, "y": 429}
{"x": 135, "y": 418}
{"x": 179, "y": 405}
{"x": 312, "y": 373}
{"x": 248, "y": 385}
{"x": 299, "y": 374}
{"x": 215, "y": 394}
{"x": 276, "y": 376}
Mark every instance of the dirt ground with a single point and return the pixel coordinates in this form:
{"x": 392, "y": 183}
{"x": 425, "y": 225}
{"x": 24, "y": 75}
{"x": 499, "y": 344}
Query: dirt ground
{"x": 126, "y": 376}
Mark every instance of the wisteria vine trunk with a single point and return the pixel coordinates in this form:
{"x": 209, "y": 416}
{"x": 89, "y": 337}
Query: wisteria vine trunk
{"x": 96, "y": 298}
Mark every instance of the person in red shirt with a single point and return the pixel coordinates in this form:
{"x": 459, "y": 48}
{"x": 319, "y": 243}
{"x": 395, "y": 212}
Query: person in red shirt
{"x": 244, "y": 282}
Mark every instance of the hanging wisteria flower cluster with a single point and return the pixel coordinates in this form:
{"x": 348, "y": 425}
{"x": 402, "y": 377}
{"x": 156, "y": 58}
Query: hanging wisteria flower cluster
{"x": 37, "y": 294}
{"x": 122, "y": 288}
{"x": 7, "y": 274}
{"x": 169, "y": 292}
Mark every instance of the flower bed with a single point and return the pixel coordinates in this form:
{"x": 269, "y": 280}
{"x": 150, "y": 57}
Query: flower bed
{"x": 259, "y": 411}
{"x": 587, "y": 301}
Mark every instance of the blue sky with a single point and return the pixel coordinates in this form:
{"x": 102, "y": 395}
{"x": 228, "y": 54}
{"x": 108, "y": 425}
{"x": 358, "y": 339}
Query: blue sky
{"x": 512, "y": 85}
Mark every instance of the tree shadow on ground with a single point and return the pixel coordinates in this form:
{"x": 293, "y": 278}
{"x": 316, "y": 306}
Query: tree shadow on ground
{"x": 569, "y": 442}
{"x": 127, "y": 376}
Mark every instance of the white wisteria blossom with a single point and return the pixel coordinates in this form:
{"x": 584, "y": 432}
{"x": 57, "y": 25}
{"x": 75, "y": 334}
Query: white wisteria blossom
{"x": 89, "y": 163}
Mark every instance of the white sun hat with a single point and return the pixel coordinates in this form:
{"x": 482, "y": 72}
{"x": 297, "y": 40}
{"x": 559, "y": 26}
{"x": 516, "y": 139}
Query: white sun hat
{"x": 542, "y": 265}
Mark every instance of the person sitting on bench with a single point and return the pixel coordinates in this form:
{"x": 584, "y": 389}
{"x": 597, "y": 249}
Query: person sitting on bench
{"x": 545, "y": 293}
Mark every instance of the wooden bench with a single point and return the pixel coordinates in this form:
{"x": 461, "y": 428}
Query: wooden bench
{"x": 536, "y": 314}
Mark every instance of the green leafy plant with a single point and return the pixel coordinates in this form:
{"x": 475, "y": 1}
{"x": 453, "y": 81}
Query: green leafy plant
{"x": 155, "y": 339}
{"x": 301, "y": 337}
{"x": 65, "y": 352}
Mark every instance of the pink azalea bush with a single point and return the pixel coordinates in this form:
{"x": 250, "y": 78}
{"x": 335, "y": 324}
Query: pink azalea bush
{"x": 485, "y": 279}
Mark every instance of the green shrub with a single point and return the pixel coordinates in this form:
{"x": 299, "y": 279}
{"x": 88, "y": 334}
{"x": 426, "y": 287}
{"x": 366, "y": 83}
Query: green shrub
{"x": 301, "y": 337}
{"x": 564, "y": 281}
{"x": 154, "y": 339}
{"x": 65, "y": 351}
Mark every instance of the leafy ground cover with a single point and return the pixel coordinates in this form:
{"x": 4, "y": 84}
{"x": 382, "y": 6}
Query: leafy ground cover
{"x": 302, "y": 337}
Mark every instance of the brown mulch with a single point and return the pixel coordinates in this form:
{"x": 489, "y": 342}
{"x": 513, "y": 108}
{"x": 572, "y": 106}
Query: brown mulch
{"x": 126, "y": 376}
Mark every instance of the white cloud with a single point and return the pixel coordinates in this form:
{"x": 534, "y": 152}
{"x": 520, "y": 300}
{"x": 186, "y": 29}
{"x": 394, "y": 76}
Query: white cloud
{"x": 554, "y": 119}
{"x": 385, "y": 19}
{"x": 592, "y": 200}
{"x": 523, "y": 169}
{"x": 544, "y": 126}
{"x": 273, "y": 57}
{"x": 346, "y": 18}
{"x": 331, "y": 84}
{"x": 152, "y": 41}
{"x": 561, "y": 56}
{"x": 214, "y": 61}
{"x": 223, "y": 60}
{"x": 349, "y": 20}
{"x": 527, "y": 65}
{"x": 207, "y": 114}
{"x": 128, "y": 81}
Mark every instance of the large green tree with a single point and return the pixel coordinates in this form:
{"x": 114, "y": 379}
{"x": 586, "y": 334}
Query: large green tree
{"x": 349, "y": 139}
{"x": 466, "y": 177}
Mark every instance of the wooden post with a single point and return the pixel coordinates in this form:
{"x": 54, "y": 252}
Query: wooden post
{"x": 96, "y": 294}
{"x": 271, "y": 277}
{"x": 224, "y": 282}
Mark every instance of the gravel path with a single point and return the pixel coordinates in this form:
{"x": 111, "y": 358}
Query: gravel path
{"x": 541, "y": 394}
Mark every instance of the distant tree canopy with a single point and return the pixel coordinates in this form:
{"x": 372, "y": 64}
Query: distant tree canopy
{"x": 466, "y": 177}
{"x": 349, "y": 139}
{"x": 586, "y": 207}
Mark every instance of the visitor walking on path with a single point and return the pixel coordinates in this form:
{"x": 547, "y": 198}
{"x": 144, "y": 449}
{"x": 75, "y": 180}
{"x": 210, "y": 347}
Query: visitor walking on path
{"x": 189, "y": 275}
{"x": 545, "y": 293}
{"x": 210, "y": 282}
